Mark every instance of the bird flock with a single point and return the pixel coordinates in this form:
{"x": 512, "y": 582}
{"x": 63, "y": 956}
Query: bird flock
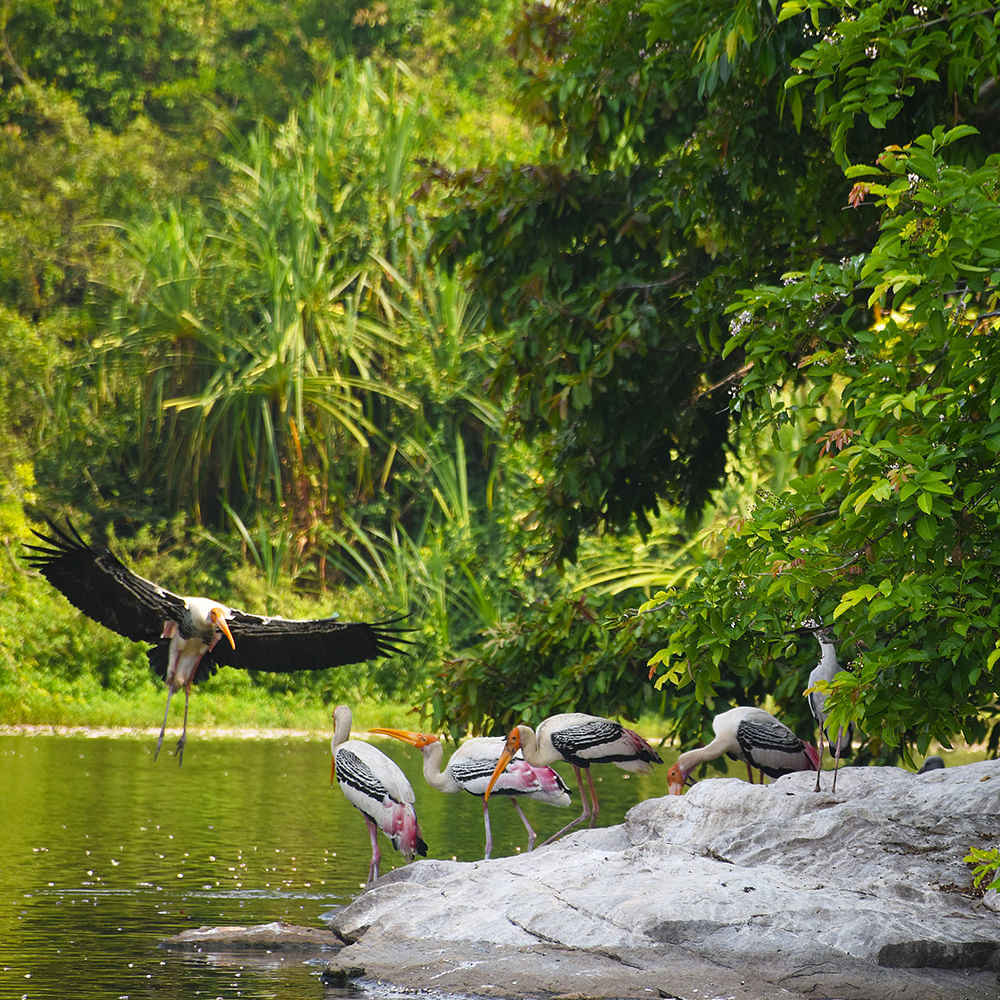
{"x": 190, "y": 637}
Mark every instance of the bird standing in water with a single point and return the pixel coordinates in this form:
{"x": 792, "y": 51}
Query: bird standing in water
{"x": 753, "y": 736}
{"x": 472, "y": 764}
{"x": 378, "y": 789}
{"x": 580, "y": 740}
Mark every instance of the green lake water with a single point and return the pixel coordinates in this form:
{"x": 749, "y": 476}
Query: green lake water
{"x": 105, "y": 852}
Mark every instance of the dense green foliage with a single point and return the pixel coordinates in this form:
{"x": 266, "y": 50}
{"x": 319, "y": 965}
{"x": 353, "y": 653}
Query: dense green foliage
{"x": 310, "y": 316}
{"x": 887, "y": 531}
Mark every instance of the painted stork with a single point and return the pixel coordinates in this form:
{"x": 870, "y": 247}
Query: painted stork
{"x": 186, "y": 631}
{"x": 580, "y": 740}
{"x": 377, "y": 788}
{"x": 826, "y": 670}
{"x": 470, "y": 768}
{"x": 753, "y": 736}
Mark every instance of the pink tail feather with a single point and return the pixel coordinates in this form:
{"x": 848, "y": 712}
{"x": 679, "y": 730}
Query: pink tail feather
{"x": 403, "y": 830}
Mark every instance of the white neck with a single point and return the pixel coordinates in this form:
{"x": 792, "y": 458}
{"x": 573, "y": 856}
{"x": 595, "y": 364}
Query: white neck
{"x": 341, "y": 726}
{"x": 534, "y": 752}
{"x": 827, "y": 655}
{"x": 433, "y": 774}
{"x": 691, "y": 759}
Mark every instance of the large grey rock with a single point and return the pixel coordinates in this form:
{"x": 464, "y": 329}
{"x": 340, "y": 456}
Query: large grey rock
{"x": 733, "y": 888}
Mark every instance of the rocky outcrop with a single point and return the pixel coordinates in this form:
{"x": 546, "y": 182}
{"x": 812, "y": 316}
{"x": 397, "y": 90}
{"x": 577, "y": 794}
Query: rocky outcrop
{"x": 747, "y": 890}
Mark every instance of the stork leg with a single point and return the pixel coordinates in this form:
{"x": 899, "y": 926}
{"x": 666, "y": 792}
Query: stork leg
{"x": 580, "y": 818}
{"x": 489, "y": 830}
{"x": 594, "y": 807}
{"x": 376, "y": 852}
{"x": 159, "y": 742}
{"x": 750, "y": 772}
{"x": 836, "y": 759}
{"x": 184, "y": 732}
{"x": 819, "y": 768}
{"x": 524, "y": 819}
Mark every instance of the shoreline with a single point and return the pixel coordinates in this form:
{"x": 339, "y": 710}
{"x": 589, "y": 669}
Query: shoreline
{"x": 277, "y": 733}
{"x": 127, "y": 732}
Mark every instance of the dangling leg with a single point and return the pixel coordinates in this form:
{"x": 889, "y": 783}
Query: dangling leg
{"x": 184, "y": 732}
{"x": 524, "y": 819}
{"x": 159, "y": 742}
{"x": 489, "y": 831}
{"x": 376, "y": 853}
{"x": 581, "y": 817}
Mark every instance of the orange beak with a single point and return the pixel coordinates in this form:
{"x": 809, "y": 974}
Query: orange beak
{"x": 510, "y": 748}
{"x": 218, "y": 617}
{"x": 676, "y": 780}
{"x": 418, "y": 740}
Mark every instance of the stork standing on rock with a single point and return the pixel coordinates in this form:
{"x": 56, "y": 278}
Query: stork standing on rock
{"x": 753, "y": 736}
{"x": 378, "y": 789}
{"x": 187, "y": 631}
{"x": 825, "y": 671}
{"x": 580, "y": 740}
{"x": 470, "y": 768}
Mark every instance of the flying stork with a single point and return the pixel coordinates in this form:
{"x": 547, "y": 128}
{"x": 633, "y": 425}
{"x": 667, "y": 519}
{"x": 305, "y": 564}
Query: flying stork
{"x": 470, "y": 768}
{"x": 753, "y": 736}
{"x": 580, "y": 740}
{"x": 377, "y": 788}
{"x": 825, "y": 670}
{"x": 192, "y": 636}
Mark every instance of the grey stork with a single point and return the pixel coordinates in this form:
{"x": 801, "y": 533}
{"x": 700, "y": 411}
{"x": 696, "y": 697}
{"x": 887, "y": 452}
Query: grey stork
{"x": 470, "y": 768}
{"x": 825, "y": 670}
{"x": 377, "y": 788}
{"x": 187, "y": 633}
{"x": 580, "y": 740}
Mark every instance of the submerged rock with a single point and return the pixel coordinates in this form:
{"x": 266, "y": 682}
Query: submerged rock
{"x": 737, "y": 889}
{"x": 275, "y": 936}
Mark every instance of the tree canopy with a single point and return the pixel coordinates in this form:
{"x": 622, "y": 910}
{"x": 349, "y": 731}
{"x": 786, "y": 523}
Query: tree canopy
{"x": 756, "y": 218}
{"x": 703, "y": 319}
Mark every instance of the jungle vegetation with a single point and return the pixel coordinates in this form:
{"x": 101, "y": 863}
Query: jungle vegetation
{"x": 611, "y": 340}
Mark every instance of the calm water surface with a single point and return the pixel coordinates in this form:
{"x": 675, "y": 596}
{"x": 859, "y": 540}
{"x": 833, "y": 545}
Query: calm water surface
{"x": 104, "y": 853}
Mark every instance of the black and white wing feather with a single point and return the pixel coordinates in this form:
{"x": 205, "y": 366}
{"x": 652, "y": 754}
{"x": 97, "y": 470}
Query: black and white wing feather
{"x": 105, "y": 589}
{"x": 771, "y": 746}
{"x": 102, "y": 586}
{"x": 281, "y": 645}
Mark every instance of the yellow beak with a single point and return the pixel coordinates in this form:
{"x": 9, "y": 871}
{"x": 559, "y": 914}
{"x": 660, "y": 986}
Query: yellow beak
{"x": 510, "y": 748}
{"x": 406, "y": 735}
{"x": 219, "y": 621}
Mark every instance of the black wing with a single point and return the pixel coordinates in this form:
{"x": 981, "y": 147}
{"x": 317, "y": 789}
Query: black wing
{"x": 102, "y": 586}
{"x": 281, "y": 645}
{"x": 771, "y": 746}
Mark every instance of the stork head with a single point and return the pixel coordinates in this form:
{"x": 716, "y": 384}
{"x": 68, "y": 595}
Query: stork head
{"x": 677, "y": 778}
{"x": 418, "y": 740}
{"x": 810, "y": 626}
{"x": 217, "y": 616}
{"x": 511, "y": 747}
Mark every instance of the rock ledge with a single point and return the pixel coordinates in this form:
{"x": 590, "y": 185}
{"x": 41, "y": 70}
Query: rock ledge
{"x": 744, "y": 890}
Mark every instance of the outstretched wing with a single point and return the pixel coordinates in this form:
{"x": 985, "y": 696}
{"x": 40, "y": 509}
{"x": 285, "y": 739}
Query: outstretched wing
{"x": 281, "y": 645}
{"x": 102, "y": 586}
